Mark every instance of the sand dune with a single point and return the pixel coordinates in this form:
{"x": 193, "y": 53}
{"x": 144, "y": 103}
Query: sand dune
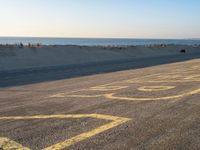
{"x": 15, "y": 57}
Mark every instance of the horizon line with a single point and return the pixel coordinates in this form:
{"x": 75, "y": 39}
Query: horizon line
{"x": 62, "y": 37}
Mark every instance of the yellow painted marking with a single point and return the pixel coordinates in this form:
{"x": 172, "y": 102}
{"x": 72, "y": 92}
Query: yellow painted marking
{"x": 115, "y": 121}
{"x": 193, "y": 77}
{"x": 169, "y": 77}
{"x": 107, "y": 88}
{"x": 195, "y": 67}
{"x": 111, "y": 96}
{"x": 155, "y": 88}
{"x": 7, "y": 144}
{"x": 84, "y": 96}
{"x": 60, "y": 95}
{"x": 164, "y": 81}
{"x": 97, "y": 88}
{"x": 63, "y": 94}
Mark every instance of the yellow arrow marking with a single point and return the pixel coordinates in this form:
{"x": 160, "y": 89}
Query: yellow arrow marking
{"x": 7, "y": 144}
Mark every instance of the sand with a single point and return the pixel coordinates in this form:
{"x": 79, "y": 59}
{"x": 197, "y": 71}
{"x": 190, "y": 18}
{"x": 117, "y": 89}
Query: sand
{"x": 13, "y": 57}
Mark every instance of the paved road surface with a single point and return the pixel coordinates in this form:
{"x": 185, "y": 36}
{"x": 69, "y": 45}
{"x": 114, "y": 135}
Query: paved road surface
{"x": 149, "y": 108}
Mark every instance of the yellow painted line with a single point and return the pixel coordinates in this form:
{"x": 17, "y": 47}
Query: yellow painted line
{"x": 155, "y": 88}
{"x": 7, "y": 144}
{"x": 155, "y": 78}
{"x": 60, "y": 95}
{"x": 195, "y": 67}
{"x": 134, "y": 80}
{"x": 107, "y": 88}
{"x": 164, "y": 81}
{"x": 115, "y": 121}
{"x": 193, "y": 77}
{"x": 111, "y": 96}
{"x": 169, "y": 77}
{"x": 63, "y": 94}
{"x": 84, "y": 96}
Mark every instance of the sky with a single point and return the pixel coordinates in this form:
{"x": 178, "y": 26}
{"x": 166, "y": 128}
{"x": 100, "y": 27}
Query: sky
{"x": 165, "y": 19}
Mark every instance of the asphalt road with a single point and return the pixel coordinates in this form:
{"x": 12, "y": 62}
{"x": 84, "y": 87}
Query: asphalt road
{"x": 157, "y": 107}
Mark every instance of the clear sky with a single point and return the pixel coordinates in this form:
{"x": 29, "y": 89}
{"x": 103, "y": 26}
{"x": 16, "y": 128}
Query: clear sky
{"x": 101, "y": 18}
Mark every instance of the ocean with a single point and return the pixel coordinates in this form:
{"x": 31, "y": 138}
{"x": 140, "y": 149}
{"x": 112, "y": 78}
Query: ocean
{"x": 92, "y": 41}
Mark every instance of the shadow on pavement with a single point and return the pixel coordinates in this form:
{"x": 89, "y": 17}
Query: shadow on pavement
{"x": 37, "y": 75}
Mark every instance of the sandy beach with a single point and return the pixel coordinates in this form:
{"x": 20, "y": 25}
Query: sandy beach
{"x": 14, "y": 57}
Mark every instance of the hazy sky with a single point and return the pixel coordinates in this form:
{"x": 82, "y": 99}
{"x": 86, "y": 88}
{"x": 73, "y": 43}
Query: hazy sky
{"x": 101, "y": 18}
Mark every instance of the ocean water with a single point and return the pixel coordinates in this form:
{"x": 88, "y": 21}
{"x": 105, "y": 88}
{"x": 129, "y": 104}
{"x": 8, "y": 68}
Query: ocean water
{"x": 91, "y": 41}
